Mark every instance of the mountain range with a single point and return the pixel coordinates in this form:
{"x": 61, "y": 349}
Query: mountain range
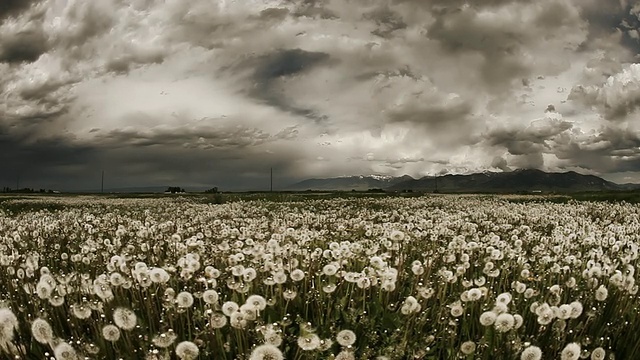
{"x": 524, "y": 180}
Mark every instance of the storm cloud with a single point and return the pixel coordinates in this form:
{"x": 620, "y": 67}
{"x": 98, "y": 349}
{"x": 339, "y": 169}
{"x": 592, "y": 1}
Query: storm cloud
{"x": 217, "y": 93}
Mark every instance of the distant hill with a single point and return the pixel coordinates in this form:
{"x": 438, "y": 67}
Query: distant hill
{"x": 348, "y": 183}
{"x": 525, "y": 180}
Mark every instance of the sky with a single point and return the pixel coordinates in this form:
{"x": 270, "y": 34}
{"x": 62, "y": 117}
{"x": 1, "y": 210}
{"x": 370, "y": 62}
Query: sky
{"x": 207, "y": 93}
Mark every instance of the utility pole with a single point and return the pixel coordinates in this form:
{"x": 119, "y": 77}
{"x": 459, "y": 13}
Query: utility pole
{"x": 102, "y": 183}
{"x": 18, "y": 182}
{"x": 436, "y": 183}
{"x": 271, "y": 183}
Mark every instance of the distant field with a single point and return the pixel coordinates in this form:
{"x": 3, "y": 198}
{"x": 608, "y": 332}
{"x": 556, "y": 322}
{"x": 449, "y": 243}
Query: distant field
{"x": 318, "y": 276}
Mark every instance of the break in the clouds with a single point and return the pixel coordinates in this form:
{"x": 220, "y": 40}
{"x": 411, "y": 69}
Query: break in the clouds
{"x": 215, "y": 93}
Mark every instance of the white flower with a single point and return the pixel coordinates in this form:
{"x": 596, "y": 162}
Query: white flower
{"x": 230, "y": 307}
{"x": 249, "y": 274}
{"x": 488, "y": 318}
{"x": 570, "y": 352}
{"x": 397, "y": 235}
{"x": 346, "y": 338}
{"x": 576, "y": 309}
{"x": 601, "y": 293}
{"x": 330, "y": 269}
{"x": 41, "y": 331}
{"x": 529, "y": 293}
{"x": 124, "y": 318}
{"x": 81, "y": 311}
{"x": 218, "y": 320}
{"x": 210, "y": 296}
{"x": 271, "y": 336}
{"x": 504, "y": 298}
{"x": 238, "y": 320}
{"x": 468, "y": 347}
{"x": 329, "y": 288}
{"x": 598, "y": 354}
{"x": 249, "y": 311}
{"x": 363, "y": 282}
{"x": 266, "y": 352}
{"x": 258, "y": 302}
{"x": 8, "y": 324}
{"x": 297, "y": 275}
{"x": 110, "y": 333}
{"x": 289, "y": 294}
{"x": 187, "y": 350}
{"x": 345, "y": 355}
{"x": 518, "y": 321}
{"x": 184, "y": 299}
{"x": 165, "y": 339}
{"x": 309, "y": 342}
{"x": 411, "y": 305}
{"x": 474, "y": 294}
{"x": 504, "y": 322}
{"x": 64, "y": 351}
{"x": 531, "y": 353}
{"x": 159, "y": 275}
{"x": 564, "y": 312}
{"x": 456, "y": 309}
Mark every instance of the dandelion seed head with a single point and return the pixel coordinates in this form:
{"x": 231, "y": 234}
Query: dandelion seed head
{"x": 165, "y": 339}
{"x": 468, "y": 347}
{"x": 111, "y": 333}
{"x": 570, "y": 352}
{"x": 124, "y": 318}
{"x": 488, "y": 318}
{"x": 184, "y": 299}
{"x": 64, "y": 351}
{"x": 186, "y": 350}
{"x": 346, "y": 337}
{"x": 230, "y": 307}
{"x": 309, "y": 342}
{"x": 598, "y": 354}
{"x": 531, "y": 352}
{"x": 345, "y": 355}
{"x": 266, "y": 352}
{"x": 41, "y": 331}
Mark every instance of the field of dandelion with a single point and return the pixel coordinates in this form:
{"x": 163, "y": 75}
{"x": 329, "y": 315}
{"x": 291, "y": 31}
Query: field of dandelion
{"x": 433, "y": 277}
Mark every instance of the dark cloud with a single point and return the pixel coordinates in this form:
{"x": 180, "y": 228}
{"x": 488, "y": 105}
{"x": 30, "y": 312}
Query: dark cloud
{"x": 274, "y": 14}
{"x": 611, "y": 149}
{"x": 460, "y": 31}
{"x": 164, "y": 158}
{"x": 313, "y": 9}
{"x": 14, "y": 7}
{"x": 274, "y": 69}
{"x": 201, "y": 137}
{"x": 433, "y": 115}
{"x": 386, "y": 20}
{"x": 313, "y": 88}
{"x": 23, "y": 46}
{"x": 499, "y": 162}
{"x": 611, "y": 17}
{"x": 83, "y": 23}
{"x": 504, "y": 34}
{"x": 528, "y": 144}
{"x": 38, "y": 162}
{"x": 123, "y": 63}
